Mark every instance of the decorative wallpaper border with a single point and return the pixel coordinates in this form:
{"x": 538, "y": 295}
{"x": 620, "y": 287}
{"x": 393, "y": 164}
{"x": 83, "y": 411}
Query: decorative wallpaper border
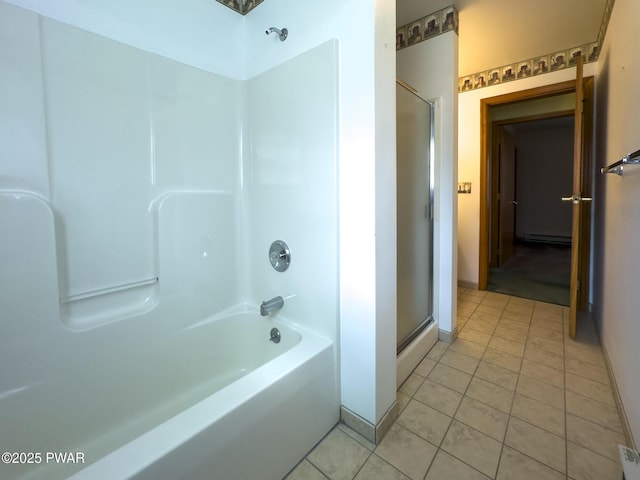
{"x": 427, "y": 27}
{"x": 550, "y": 62}
{"x": 608, "y": 8}
{"x": 241, "y": 6}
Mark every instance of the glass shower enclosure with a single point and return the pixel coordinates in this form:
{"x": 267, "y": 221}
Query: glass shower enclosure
{"x": 415, "y": 139}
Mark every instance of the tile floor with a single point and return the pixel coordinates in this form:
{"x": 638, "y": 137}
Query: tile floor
{"x": 513, "y": 398}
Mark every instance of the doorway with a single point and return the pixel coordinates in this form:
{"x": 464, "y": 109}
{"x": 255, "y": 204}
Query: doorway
{"x": 532, "y": 168}
{"x": 541, "y": 98}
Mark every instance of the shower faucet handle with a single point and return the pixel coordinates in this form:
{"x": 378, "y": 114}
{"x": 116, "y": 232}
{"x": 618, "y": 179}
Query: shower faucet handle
{"x": 279, "y": 255}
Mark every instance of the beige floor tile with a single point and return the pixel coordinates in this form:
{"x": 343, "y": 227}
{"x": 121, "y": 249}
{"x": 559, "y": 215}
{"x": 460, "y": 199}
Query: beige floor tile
{"x": 450, "y": 377}
{"x": 588, "y": 355}
{"x": 356, "y": 436}
{"x": 406, "y": 451}
{"x": 425, "y": 421}
{"x": 466, "y": 307}
{"x": 482, "y": 417}
{"x": 584, "y": 464}
{"x": 550, "y": 359}
{"x": 460, "y": 361}
{"x": 502, "y": 359}
{"x": 542, "y": 391}
{"x": 475, "y": 295}
{"x": 437, "y": 350}
{"x": 513, "y": 323}
{"x": 411, "y": 384}
{"x": 439, "y": 397}
{"x": 547, "y": 308}
{"x": 524, "y": 302}
{"x": 488, "y": 315}
{"x": 553, "y": 324}
{"x": 473, "y": 447}
{"x": 539, "y": 414}
{"x": 424, "y": 367}
{"x": 545, "y": 332}
{"x": 468, "y": 348}
{"x": 586, "y": 370}
{"x": 339, "y": 456}
{"x": 492, "y": 395}
{"x": 495, "y": 310}
{"x": 497, "y": 298}
{"x": 517, "y": 313}
{"x": 497, "y": 375}
{"x": 507, "y": 346}
{"x": 305, "y": 471}
{"x": 516, "y": 466}
{"x": 403, "y": 400}
{"x": 594, "y": 411}
{"x": 594, "y": 437}
{"x": 508, "y": 333}
{"x": 376, "y": 468}
{"x": 590, "y": 388}
{"x": 549, "y": 317}
{"x": 474, "y": 336}
{"x": 446, "y": 467}
{"x": 542, "y": 372}
{"x": 536, "y": 443}
{"x": 480, "y": 325}
{"x": 546, "y": 345}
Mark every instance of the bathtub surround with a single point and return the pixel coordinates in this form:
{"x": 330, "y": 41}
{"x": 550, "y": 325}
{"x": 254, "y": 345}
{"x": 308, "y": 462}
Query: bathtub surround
{"x": 207, "y": 35}
{"x": 136, "y": 219}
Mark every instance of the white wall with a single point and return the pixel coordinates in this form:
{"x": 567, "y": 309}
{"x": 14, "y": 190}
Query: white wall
{"x": 431, "y": 67}
{"x": 469, "y": 161}
{"x": 208, "y": 35}
{"x": 617, "y": 263}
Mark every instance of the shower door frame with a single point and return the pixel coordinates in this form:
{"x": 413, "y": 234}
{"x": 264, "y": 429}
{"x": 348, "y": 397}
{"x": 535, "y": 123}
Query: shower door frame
{"x": 408, "y": 339}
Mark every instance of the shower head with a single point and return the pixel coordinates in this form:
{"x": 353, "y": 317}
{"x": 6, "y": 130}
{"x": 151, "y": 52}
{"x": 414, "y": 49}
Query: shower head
{"x": 281, "y": 33}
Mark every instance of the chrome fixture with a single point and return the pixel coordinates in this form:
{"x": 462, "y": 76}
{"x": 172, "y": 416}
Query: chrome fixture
{"x": 279, "y": 255}
{"x": 268, "y": 306}
{"x": 275, "y": 335}
{"x": 618, "y": 167}
{"x": 281, "y": 33}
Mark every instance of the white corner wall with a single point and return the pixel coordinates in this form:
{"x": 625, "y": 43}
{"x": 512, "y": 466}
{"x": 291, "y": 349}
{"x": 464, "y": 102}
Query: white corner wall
{"x": 438, "y": 84}
{"x": 469, "y": 161}
{"x": 617, "y": 210}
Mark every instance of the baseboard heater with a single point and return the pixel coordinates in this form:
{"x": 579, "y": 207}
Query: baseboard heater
{"x": 547, "y": 238}
{"x": 630, "y": 463}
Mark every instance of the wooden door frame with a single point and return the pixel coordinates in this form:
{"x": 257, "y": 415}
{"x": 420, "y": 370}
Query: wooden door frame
{"x": 486, "y": 132}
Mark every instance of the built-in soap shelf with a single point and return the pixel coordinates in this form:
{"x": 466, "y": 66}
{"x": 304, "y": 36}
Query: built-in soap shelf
{"x": 618, "y": 167}
{"x": 108, "y": 290}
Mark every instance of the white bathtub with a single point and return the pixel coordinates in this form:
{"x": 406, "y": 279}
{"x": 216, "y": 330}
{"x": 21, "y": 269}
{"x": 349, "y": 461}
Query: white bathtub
{"x": 220, "y": 401}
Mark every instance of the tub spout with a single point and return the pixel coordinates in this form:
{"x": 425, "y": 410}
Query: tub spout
{"x": 268, "y": 306}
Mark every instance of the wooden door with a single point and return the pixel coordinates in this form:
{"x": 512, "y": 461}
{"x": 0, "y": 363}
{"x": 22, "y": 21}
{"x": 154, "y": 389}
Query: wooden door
{"x": 580, "y": 203}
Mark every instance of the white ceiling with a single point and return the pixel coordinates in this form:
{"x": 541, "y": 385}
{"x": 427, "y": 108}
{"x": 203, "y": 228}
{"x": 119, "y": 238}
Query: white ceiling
{"x": 493, "y": 33}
